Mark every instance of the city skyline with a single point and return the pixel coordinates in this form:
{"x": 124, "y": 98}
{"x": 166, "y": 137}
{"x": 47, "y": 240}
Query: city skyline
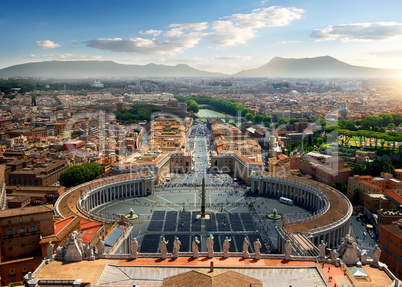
{"x": 223, "y": 36}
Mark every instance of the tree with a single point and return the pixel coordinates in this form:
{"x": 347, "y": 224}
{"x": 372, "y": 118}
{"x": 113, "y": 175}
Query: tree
{"x": 259, "y": 118}
{"x": 386, "y": 119}
{"x": 282, "y": 121}
{"x": 192, "y": 106}
{"x": 292, "y": 121}
{"x": 397, "y": 119}
{"x": 391, "y": 126}
{"x": 78, "y": 174}
{"x": 380, "y": 164}
{"x": 356, "y": 196}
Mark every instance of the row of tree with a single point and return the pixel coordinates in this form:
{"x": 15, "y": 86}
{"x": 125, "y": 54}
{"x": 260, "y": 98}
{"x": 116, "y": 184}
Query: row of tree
{"x": 78, "y": 174}
{"x": 388, "y": 140}
{"x": 229, "y": 107}
{"x": 192, "y": 106}
{"x": 136, "y": 113}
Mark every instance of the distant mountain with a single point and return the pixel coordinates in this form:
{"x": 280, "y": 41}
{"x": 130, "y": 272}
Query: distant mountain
{"x": 321, "y": 67}
{"x": 100, "y": 69}
{"x": 318, "y": 67}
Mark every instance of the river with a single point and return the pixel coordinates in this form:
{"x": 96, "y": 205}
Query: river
{"x": 205, "y": 113}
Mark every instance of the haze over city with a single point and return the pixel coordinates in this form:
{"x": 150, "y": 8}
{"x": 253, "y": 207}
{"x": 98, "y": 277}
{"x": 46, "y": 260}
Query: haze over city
{"x": 217, "y": 36}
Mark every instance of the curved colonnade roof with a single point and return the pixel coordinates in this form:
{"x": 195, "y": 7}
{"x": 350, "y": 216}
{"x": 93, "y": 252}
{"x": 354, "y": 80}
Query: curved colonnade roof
{"x": 337, "y": 210}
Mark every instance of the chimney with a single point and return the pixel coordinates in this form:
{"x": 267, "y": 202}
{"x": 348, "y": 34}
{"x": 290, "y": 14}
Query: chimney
{"x": 211, "y": 266}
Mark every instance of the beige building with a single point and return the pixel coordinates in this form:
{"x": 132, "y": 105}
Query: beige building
{"x": 165, "y": 151}
{"x": 234, "y": 153}
{"x": 21, "y": 229}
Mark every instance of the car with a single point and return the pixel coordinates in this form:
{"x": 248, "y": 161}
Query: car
{"x": 358, "y": 219}
{"x": 372, "y": 236}
{"x": 365, "y": 234}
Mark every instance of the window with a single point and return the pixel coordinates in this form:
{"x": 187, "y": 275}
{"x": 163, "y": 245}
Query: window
{"x": 24, "y": 269}
{"x": 10, "y": 249}
{"x": 390, "y": 253}
{"x": 395, "y": 256}
{"x": 391, "y": 241}
{"x": 9, "y": 222}
{"x": 385, "y": 249}
{"x": 32, "y": 228}
{"x": 396, "y": 244}
{"x": 22, "y": 230}
{"x": 9, "y": 231}
{"x": 32, "y": 219}
{"x": 12, "y": 271}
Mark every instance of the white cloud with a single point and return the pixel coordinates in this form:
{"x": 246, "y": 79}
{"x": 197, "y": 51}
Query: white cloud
{"x": 66, "y": 56}
{"x": 146, "y": 46}
{"x": 191, "y": 26}
{"x": 358, "y": 32}
{"x": 229, "y": 31}
{"x": 239, "y": 28}
{"x": 151, "y": 32}
{"x": 74, "y": 42}
{"x": 47, "y": 44}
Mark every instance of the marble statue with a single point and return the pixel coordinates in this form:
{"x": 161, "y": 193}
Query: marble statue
{"x": 163, "y": 248}
{"x": 321, "y": 249}
{"x": 88, "y": 252}
{"x": 288, "y": 250}
{"x": 210, "y": 246}
{"x": 73, "y": 250}
{"x": 195, "y": 247}
{"x": 257, "y": 248}
{"x": 334, "y": 255}
{"x": 100, "y": 245}
{"x": 376, "y": 252}
{"x": 348, "y": 252}
{"x": 246, "y": 244}
{"x": 176, "y": 247}
{"x": 364, "y": 257}
{"x": 79, "y": 241}
{"x": 59, "y": 253}
{"x": 49, "y": 250}
{"x": 226, "y": 246}
{"x": 134, "y": 248}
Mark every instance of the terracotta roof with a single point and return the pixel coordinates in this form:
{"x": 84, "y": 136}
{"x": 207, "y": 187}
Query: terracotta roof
{"x": 337, "y": 210}
{"x": 89, "y": 229}
{"x": 395, "y": 196}
{"x": 62, "y": 229}
{"x": 393, "y": 228}
{"x": 215, "y": 278}
{"x": 26, "y": 210}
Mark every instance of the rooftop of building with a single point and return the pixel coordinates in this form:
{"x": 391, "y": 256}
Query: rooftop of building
{"x": 26, "y": 210}
{"x": 394, "y": 228}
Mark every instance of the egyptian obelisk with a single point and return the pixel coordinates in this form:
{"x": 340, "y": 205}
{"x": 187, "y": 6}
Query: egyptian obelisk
{"x": 203, "y": 198}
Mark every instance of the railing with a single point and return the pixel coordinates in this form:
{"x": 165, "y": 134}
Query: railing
{"x": 302, "y": 184}
{"x": 96, "y": 184}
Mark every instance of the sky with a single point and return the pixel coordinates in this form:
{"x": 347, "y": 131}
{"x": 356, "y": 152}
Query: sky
{"x": 215, "y": 35}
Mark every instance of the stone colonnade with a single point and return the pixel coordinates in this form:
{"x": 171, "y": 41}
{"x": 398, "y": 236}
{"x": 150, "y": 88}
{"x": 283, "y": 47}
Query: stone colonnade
{"x": 310, "y": 194}
{"x": 117, "y": 190}
{"x": 296, "y": 190}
